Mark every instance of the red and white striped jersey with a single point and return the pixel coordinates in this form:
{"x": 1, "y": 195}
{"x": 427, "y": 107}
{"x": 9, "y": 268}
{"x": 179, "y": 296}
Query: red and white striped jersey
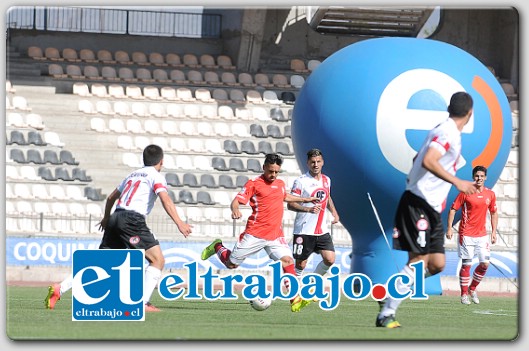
{"x": 308, "y": 186}
{"x": 446, "y": 138}
{"x": 139, "y": 190}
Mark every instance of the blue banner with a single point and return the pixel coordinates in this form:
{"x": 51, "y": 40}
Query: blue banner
{"x": 57, "y": 252}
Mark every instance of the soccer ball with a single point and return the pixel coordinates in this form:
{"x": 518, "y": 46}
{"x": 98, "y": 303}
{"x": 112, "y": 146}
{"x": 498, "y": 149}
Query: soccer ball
{"x": 261, "y": 304}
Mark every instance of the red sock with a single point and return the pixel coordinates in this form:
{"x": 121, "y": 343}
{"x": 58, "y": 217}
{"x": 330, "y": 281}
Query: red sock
{"x": 479, "y": 273}
{"x": 292, "y": 270}
{"x": 222, "y": 253}
{"x": 464, "y": 279}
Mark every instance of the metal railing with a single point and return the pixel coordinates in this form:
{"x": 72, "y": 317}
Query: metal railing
{"x": 114, "y": 21}
{"x": 162, "y": 226}
{"x": 165, "y": 229}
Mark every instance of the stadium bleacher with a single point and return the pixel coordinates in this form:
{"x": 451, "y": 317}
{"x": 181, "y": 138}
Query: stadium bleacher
{"x": 215, "y": 118}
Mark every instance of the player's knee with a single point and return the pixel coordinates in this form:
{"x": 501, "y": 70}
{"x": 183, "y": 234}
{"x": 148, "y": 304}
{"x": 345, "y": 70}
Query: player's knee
{"x": 301, "y": 265}
{"x": 466, "y": 262}
{"x": 329, "y": 262}
{"x": 158, "y": 262}
{"x": 484, "y": 264}
{"x": 435, "y": 268}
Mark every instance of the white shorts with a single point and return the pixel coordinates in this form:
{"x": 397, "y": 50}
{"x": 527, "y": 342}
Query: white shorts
{"x": 475, "y": 246}
{"x": 249, "y": 245}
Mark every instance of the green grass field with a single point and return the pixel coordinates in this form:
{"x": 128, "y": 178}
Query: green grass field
{"x": 439, "y": 318}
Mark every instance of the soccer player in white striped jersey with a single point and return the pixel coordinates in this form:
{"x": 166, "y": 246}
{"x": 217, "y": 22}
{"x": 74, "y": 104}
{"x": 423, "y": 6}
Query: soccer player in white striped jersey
{"x": 311, "y": 229}
{"x": 126, "y": 227}
{"x": 418, "y": 227}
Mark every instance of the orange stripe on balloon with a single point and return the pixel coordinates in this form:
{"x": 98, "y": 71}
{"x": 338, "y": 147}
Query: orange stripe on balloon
{"x": 492, "y": 148}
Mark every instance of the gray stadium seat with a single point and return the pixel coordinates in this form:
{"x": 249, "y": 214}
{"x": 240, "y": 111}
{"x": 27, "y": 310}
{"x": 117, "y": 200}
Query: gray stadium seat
{"x": 273, "y": 131}
{"x": 80, "y": 174}
{"x": 46, "y": 173}
{"x": 208, "y": 181}
{"x": 265, "y": 147}
{"x": 219, "y": 164}
{"x": 185, "y": 196}
{"x": 256, "y": 130}
{"x": 240, "y": 181}
{"x": 254, "y": 165}
{"x": 236, "y": 164}
{"x": 283, "y": 148}
{"x": 17, "y": 137}
{"x": 17, "y": 155}
{"x": 190, "y": 180}
{"x": 203, "y": 197}
{"x": 93, "y": 194}
{"x": 287, "y": 131}
{"x": 34, "y": 156}
{"x": 248, "y": 147}
{"x": 66, "y": 156}
{"x": 50, "y": 156}
{"x": 172, "y": 179}
{"x": 288, "y": 97}
{"x": 226, "y": 181}
{"x": 63, "y": 174}
{"x": 35, "y": 138}
{"x": 277, "y": 114}
{"x": 231, "y": 147}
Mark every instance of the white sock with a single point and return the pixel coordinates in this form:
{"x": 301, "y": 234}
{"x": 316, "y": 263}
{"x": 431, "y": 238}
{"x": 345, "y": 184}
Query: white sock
{"x": 391, "y": 305}
{"x": 299, "y": 272}
{"x": 321, "y": 268}
{"x": 152, "y": 276}
{"x": 427, "y": 273}
{"x": 66, "y": 284}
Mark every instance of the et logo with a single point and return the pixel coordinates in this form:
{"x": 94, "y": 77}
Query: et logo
{"x": 108, "y": 285}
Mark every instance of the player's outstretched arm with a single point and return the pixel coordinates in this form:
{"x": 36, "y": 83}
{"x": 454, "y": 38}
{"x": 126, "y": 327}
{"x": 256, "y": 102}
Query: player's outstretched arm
{"x": 170, "y": 208}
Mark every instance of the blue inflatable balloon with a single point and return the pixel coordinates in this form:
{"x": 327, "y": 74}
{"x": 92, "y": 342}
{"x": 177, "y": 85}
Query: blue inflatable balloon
{"x": 368, "y": 107}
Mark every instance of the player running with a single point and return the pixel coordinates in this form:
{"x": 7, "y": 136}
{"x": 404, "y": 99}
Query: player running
{"x": 264, "y": 229}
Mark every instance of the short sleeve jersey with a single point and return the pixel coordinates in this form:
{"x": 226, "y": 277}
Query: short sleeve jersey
{"x": 140, "y": 189}
{"x": 308, "y": 186}
{"x": 446, "y": 138}
{"x": 266, "y": 200}
{"x": 474, "y": 211}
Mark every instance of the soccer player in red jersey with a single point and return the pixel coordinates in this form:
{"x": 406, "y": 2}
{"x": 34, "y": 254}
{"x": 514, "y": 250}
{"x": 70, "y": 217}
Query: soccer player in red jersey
{"x": 473, "y": 239}
{"x": 264, "y": 230}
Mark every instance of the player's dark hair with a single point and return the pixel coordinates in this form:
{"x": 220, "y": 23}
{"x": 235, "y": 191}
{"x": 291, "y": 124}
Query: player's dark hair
{"x": 479, "y": 168}
{"x": 273, "y": 159}
{"x": 314, "y": 153}
{"x": 152, "y": 155}
{"x": 460, "y": 104}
